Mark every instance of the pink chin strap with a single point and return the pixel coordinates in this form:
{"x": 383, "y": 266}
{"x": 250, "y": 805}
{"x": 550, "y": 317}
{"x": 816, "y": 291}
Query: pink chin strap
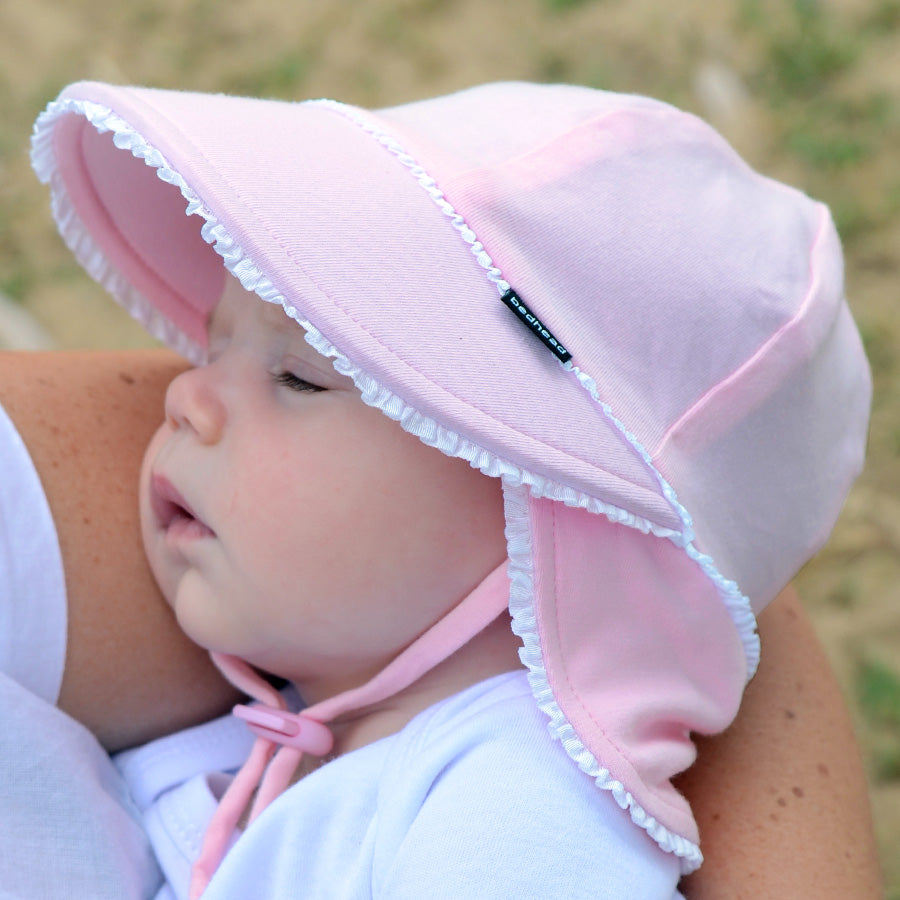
{"x": 283, "y": 737}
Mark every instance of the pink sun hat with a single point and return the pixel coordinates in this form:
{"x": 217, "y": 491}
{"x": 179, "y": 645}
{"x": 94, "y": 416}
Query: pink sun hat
{"x": 585, "y": 294}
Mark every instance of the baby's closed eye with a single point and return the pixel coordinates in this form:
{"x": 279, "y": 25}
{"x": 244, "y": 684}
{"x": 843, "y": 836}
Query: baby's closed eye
{"x": 295, "y": 382}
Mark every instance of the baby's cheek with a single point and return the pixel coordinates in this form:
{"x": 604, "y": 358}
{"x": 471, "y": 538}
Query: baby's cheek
{"x": 152, "y": 539}
{"x": 267, "y": 532}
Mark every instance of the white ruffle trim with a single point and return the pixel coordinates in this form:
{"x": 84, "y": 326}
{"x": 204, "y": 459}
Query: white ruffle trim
{"x": 521, "y": 606}
{"x": 80, "y": 241}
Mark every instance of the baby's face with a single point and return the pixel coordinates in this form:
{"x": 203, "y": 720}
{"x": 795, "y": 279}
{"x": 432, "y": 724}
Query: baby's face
{"x": 292, "y": 525}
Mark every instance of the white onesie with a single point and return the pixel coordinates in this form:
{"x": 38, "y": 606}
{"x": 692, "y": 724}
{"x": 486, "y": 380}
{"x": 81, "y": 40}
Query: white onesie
{"x": 471, "y": 799}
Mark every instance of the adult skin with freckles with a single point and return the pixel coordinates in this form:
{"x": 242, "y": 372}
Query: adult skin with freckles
{"x": 131, "y": 674}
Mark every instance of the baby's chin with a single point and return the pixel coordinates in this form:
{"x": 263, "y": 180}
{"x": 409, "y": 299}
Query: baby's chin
{"x": 192, "y": 617}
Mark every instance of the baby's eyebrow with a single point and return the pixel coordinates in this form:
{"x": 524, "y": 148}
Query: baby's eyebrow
{"x": 307, "y": 356}
{"x": 273, "y": 318}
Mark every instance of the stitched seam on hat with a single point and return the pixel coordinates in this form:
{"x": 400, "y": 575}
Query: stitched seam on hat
{"x": 775, "y": 340}
{"x": 426, "y": 182}
{"x": 736, "y": 603}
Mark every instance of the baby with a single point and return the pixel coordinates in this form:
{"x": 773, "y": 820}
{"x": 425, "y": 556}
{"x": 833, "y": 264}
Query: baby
{"x": 588, "y": 298}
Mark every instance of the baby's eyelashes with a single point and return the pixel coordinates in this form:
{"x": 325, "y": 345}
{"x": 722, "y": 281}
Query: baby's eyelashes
{"x": 295, "y": 382}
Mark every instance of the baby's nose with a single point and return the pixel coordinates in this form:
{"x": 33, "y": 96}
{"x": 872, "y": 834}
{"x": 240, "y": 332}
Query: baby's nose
{"x": 193, "y": 401}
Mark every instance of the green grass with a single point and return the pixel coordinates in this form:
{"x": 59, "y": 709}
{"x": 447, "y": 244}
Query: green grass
{"x": 806, "y": 47}
{"x": 15, "y": 286}
{"x": 879, "y": 694}
{"x": 883, "y": 19}
{"x": 808, "y": 53}
{"x": 282, "y": 77}
{"x": 560, "y": 5}
{"x": 880, "y": 344}
{"x": 822, "y": 150}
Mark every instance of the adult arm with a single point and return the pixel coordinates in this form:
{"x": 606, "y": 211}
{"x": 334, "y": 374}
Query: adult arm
{"x": 781, "y": 797}
{"x": 130, "y": 673}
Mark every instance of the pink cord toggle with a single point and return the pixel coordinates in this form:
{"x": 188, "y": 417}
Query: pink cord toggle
{"x": 288, "y": 729}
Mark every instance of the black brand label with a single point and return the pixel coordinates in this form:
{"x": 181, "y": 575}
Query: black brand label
{"x": 535, "y": 325}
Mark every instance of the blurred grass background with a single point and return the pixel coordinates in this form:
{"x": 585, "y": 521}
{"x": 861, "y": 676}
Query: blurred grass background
{"x": 807, "y": 90}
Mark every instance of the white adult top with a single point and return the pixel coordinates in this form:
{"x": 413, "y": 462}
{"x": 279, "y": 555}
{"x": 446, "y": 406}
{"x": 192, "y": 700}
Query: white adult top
{"x": 32, "y": 586}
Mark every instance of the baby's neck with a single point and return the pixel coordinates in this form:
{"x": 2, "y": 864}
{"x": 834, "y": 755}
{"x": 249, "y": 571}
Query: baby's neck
{"x": 493, "y": 651}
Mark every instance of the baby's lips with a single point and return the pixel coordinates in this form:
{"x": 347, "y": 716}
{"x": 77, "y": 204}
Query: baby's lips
{"x": 168, "y": 504}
